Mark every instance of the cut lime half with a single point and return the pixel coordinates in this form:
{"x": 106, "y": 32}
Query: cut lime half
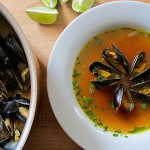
{"x": 43, "y": 14}
{"x": 82, "y": 5}
{"x": 50, "y": 3}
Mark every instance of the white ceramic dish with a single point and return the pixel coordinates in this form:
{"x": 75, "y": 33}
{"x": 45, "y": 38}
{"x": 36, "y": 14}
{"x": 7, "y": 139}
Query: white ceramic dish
{"x": 33, "y": 66}
{"x": 60, "y": 66}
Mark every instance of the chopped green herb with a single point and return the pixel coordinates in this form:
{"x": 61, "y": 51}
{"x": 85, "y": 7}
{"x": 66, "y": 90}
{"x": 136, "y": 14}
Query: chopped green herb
{"x": 142, "y": 33}
{"x": 78, "y": 92}
{"x": 105, "y": 128}
{"x": 133, "y": 29}
{"x": 144, "y": 87}
{"x": 84, "y": 98}
{"x": 141, "y": 55}
{"x": 80, "y": 62}
{"x": 103, "y": 59}
{"x": 89, "y": 113}
{"x": 75, "y": 85}
{"x": 77, "y": 98}
{"x": 98, "y": 41}
{"x": 111, "y": 104}
{"x": 76, "y": 74}
{"x": 113, "y": 30}
{"x": 148, "y": 34}
{"x": 99, "y": 122}
{"x": 115, "y": 135}
{"x": 94, "y": 71}
{"x": 94, "y": 118}
{"x": 95, "y": 125}
{"x": 126, "y": 136}
{"x": 144, "y": 105}
{"x": 91, "y": 88}
{"x": 103, "y": 109}
{"x": 118, "y": 131}
{"x": 77, "y": 57}
{"x": 137, "y": 129}
{"x": 117, "y": 76}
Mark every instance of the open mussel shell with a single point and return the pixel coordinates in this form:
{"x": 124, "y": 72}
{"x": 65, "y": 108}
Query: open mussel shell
{"x": 116, "y": 59}
{"x": 103, "y": 83}
{"x": 143, "y": 76}
{"x": 105, "y": 71}
{"x": 139, "y": 65}
{"x": 15, "y": 48}
{"x": 127, "y": 101}
{"x": 117, "y": 97}
{"x": 9, "y": 107}
{"x": 140, "y": 96}
{"x": 3, "y": 128}
{"x": 9, "y": 145}
{"x": 122, "y": 59}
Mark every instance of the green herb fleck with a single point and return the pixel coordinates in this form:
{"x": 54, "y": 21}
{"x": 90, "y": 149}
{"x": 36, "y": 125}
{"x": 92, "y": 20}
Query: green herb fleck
{"x": 144, "y": 105}
{"x": 118, "y": 131}
{"x": 91, "y": 88}
{"x": 105, "y": 128}
{"x": 103, "y": 109}
{"x": 133, "y": 29}
{"x": 75, "y": 85}
{"x": 103, "y": 59}
{"x": 93, "y": 118}
{"x": 78, "y": 92}
{"x": 98, "y": 42}
{"x": 99, "y": 122}
{"x": 111, "y": 104}
{"x": 76, "y": 74}
{"x": 80, "y": 62}
{"x": 95, "y": 125}
{"x": 117, "y": 76}
{"x": 115, "y": 135}
{"x": 89, "y": 113}
{"x": 148, "y": 34}
{"x": 137, "y": 129}
{"x": 126, "y": 136}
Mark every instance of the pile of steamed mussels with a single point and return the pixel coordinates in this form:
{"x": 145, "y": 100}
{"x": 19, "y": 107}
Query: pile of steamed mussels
{"x": 14, "y": 91}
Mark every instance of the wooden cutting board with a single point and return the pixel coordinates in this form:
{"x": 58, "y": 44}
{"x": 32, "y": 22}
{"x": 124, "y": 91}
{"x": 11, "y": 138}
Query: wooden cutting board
{"x": 46, "y": 133}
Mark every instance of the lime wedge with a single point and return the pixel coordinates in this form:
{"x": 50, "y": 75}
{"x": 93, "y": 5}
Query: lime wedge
{"x": 50, "y": 3}
{"x": 82, "y": 5}
{"x": 43, "y": 14}
{"x": 64, "y": 1}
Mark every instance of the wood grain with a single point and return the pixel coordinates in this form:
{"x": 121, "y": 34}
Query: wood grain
{"x": 46, "y": 133}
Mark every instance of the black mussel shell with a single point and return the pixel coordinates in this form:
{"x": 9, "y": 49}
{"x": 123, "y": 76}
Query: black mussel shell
{"x": 143, "y": 76}
{"x": 15, "y": 47}
{"x": 3, "y": 128}
{"x": 103, "y": 83}
{"x": 21, "y": 117}
{"x": 117, "y": 97}
{"x": 127, "y": 101}
{"x": 9, "y": 107}
{"x": 140, "y": 96}
{"x": 122, "y": 59}
{"x": 139, "y": 65}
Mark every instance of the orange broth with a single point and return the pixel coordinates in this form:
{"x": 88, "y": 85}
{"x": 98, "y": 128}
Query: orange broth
{"x": 130, "y": 41}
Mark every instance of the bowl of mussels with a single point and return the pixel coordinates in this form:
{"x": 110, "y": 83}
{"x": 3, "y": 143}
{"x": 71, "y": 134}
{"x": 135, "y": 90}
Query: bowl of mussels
{"x": 18, "y": 84}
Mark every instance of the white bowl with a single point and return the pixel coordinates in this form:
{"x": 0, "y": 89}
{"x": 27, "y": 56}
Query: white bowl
{"x": 34, "y": 72}
{"x": 60, "y": 66}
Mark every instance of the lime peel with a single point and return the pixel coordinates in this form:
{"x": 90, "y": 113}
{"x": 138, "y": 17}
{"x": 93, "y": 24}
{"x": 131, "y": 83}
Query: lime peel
{"x": 50, "y": 3}
{"x": 42, "y": 14}
{"x": 82, "y": 5}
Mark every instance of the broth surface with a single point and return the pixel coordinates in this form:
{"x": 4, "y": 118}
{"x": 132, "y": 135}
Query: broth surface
{"x": 97, "y": 105}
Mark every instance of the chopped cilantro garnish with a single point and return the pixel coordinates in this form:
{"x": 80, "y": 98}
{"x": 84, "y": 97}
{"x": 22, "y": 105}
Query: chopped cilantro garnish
{"x": 148, "y": 34}
{"x": 115, "y": 135}
{"x": 144, "y": 105}
{"x": 105, "y": 128}
{"x": 80, "y": 62}
{"x": 103, "y": 109}
{"x": 78, "y": 92}
{"x": 117, "y": 77}
{"x": 103, "y": 59}
{"x": 137, "y": 129}
{"x": 91, "y": 88}
{"x": 75, "y": 85}
{"x": 98, "y": 41}
{"x": 94, "y": 118}
{"x": 118, "y": 131}
{"x": 76, "y": 74}
{"x": 111, "y": 104}
{"x": 126, "y": 136}
{"x": 95, "y": 125}
{"x": 89, "y": 113}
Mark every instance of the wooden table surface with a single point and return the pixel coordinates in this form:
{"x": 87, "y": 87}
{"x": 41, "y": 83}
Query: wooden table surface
{"x": 46, "y": 133}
